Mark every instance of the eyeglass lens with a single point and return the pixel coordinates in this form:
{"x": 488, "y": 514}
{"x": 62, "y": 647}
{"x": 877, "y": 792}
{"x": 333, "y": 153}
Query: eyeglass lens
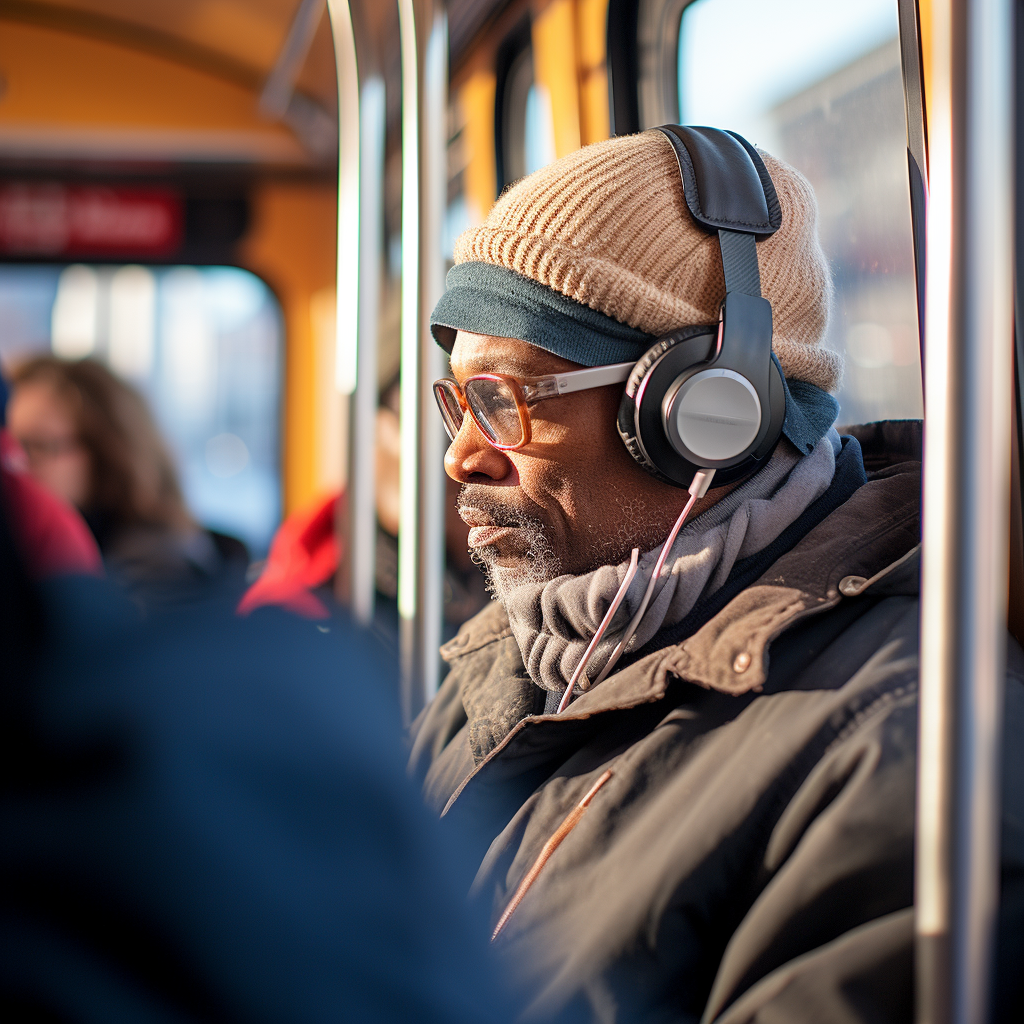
{"x": 451, "y": 410}
{"x": 493, "y": 405}
{"x": 495, "y": 410}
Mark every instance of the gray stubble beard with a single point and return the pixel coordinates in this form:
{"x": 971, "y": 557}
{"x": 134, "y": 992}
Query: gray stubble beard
{"x": 539, "y": 564}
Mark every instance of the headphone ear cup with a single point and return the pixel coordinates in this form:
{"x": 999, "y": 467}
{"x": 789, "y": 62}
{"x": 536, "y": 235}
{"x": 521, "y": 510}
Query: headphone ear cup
{"x": 777, "y": 406}
{"x": 626, "y": 427}
{"x": 702, "y": 340}
{"x": 650, "y": 447}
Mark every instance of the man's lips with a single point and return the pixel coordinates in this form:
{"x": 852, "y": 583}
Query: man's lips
{"x": 475, "y": 516}
{"x": 484, "y": 531}
{"x": 485, "y": 536}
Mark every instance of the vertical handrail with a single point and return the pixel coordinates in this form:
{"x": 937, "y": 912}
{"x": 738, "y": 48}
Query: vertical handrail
{"x": 423, "y": 28}
{"x": 361, "y": 128}
{"x": 346, "y": 321}
{"x": 968, "y": 371}
{"x": 362, "y": 482}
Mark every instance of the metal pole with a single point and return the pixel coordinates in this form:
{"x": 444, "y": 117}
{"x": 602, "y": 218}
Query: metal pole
{"x": 280, "y": 85}
{"x": 968, "y": 373}
{"x": 362, "y": 484}
{"x": 424, "y": 39}
{"x": 917, "y": 144}
{"x": 361, "y": 119}
{"x": 347, "y": 280}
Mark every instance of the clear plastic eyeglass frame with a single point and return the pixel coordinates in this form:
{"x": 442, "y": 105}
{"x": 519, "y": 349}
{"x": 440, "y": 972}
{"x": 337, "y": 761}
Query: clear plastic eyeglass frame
{"x": 450, "y": 395}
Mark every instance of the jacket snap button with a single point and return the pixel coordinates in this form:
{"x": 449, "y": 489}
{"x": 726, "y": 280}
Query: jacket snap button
{"x": 850, "y": 586}
{"x": 742, "y": 662}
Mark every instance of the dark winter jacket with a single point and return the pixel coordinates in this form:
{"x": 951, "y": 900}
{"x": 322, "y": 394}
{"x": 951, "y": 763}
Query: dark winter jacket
{"x": 750, "y": 855}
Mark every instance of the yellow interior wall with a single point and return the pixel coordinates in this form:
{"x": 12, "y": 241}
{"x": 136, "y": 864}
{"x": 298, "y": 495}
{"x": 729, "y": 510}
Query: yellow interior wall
{"x": 476, "y": 97}
{"x": 555, "y": 67}
{"x": 569, "y": 39}
{"x": 591, "y": 51}
{"x": 292, "y": 246}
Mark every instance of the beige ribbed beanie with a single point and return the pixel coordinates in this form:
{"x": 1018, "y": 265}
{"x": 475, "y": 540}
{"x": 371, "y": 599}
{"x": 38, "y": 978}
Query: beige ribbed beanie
{"x": 608, "y": 227}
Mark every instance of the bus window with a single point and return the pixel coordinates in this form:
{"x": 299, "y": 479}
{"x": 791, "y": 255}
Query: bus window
{"x": 820, "y": 86}
{"x": 203, "y": 344}
{"x": 527, "y": 121}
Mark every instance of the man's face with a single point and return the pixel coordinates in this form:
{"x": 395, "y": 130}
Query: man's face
{"x": 569, "y": 501}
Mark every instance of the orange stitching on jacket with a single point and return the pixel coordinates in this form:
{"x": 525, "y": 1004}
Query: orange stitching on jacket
{"x": 549, "y": 848}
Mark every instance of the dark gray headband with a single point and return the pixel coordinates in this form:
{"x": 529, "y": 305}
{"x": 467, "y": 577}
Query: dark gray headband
{"x": 488, "y": 299}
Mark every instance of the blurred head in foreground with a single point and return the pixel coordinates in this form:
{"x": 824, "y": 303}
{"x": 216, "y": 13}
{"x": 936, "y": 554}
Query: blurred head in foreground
{"x": 206, "y": 819}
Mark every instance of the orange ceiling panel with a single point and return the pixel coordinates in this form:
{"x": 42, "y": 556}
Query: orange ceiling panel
{"x": 234, "y": 38}
{"x": 73, "y": 95}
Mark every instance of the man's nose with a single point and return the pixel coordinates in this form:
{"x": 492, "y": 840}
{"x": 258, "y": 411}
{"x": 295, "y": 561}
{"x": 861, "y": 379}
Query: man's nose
{"x": 470, "y": 457}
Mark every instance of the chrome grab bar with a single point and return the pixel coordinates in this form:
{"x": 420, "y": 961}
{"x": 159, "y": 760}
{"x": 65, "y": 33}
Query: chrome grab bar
{"x": 423, "y": 28}
{"x": 968, "y": 373}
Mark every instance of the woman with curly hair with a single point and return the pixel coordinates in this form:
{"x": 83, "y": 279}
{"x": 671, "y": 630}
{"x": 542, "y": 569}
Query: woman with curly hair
{"x": 91, "y": 439}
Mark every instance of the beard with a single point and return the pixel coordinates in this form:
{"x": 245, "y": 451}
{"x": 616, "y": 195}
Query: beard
{"x": 535, "y": 560}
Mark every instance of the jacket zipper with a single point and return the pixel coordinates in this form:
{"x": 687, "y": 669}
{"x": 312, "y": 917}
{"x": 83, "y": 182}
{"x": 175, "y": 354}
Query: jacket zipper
{"x": 570, "y": 822}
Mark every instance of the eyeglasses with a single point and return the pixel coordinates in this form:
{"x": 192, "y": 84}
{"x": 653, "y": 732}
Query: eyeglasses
{"x": 499, "y": 404}
{"x": 43, "y": 449}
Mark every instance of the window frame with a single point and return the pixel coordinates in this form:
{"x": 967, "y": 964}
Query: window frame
{"x": 517, "y": 42}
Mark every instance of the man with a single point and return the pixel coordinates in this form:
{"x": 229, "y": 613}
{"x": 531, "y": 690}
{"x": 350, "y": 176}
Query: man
{"x": 722, "y": 829}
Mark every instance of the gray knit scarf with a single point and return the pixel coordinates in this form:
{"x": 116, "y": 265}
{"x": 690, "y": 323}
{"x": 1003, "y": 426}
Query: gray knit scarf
{"x": 553, "y": 622}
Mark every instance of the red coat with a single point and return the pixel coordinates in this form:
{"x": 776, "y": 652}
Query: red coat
{"x": 304, "y": 554}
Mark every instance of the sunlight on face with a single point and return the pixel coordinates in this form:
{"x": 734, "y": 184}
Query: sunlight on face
{"x": 569, "y": 501}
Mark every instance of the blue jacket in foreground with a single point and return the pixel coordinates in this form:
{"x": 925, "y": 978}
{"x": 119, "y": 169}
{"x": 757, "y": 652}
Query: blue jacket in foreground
{"x": 205, "y": 818}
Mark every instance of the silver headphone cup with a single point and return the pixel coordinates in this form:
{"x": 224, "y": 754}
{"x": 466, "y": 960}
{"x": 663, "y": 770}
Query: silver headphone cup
{"x": 711, "y": 416}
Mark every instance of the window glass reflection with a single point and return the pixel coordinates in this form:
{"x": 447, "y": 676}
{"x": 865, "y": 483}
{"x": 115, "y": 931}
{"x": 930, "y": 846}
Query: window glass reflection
{"x": 528, "y": 121}
{"x": 829, "y": 101}
{"x": 203, "y": 344}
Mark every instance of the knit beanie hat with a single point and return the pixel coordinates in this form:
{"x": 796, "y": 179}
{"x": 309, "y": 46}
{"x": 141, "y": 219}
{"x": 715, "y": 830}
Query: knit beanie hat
{"x": 596, "y": 255}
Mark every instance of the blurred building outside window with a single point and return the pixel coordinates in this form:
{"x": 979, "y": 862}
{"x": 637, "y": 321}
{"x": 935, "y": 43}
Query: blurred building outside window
{"x": 820, "y": 86}
{"x": 203, "y": 344}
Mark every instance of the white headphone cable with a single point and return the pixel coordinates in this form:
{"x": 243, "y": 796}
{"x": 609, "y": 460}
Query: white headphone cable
{"x": 698, "y": 488}
{"x": 608, "y": 615}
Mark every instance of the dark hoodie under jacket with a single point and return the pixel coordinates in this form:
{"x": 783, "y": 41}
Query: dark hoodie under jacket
{"x": 750, "y": 856}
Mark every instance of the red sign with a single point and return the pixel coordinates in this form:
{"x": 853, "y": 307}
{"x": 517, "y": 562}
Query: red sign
{"x": 89, "y": 220}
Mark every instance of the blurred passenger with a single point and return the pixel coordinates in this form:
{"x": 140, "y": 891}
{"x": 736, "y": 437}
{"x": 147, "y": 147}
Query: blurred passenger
{"x": 91, "y": 440}
{"x": 305, "y": 554}
{"x": 51, "y": 535}
{"x": 206, "y": 819}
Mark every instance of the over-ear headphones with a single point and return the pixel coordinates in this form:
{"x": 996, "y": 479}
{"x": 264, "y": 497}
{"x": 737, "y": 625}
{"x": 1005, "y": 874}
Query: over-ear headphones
{"x": 712, "y": 396}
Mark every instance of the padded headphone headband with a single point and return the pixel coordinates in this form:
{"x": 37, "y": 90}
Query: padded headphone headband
{"x": 727, "y": 189}
{"x": 725, "y": 182}
{"x": 722, "y": 410}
